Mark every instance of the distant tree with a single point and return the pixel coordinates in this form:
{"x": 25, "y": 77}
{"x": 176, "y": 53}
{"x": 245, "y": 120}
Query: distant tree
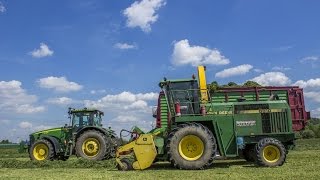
{"x": 311, "y": 131}
{"x": 231, "y": 84}
{"x": 213, "y": 86}
{"x": 314, "y": 121}
{"x": 251, "y": 84}
{"x": 5, "y": 141}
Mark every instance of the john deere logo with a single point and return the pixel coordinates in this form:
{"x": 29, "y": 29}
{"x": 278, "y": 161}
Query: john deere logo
{"x": 245, "y": 123}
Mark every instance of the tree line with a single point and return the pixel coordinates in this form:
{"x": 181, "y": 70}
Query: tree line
{"x": 213, "y": 86}
{"x": 312, "y": 130}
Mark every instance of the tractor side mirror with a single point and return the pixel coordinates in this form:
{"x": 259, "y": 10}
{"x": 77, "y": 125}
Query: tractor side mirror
{"x": 154, "y": 111}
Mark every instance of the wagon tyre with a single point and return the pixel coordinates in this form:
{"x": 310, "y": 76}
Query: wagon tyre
{"x": 91, "y": 145}
{"x": 41, "y": 150}
{"x": 191, "y": 146}
{"x": 270, "y": 152}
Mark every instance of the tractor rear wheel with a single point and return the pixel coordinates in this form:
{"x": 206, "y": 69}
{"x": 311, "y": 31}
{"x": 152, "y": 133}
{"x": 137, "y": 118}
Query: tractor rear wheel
{"x": 270, "y": 152}
{"x": 91, "y": 145}
{"x": 191, "y": 146}
{"x": 41, "y": 150}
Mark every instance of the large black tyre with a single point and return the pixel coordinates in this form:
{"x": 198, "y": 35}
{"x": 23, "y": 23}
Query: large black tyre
{"x": 41, "y": 149}
{"x": 91, "y": 145}
{"x": 191, "y": 146}
{"x": 249, "y": 153}
{"x": 270, "y": 152}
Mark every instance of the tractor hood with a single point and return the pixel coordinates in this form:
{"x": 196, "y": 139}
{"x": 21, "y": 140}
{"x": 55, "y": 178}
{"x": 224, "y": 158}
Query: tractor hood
{"x": 50, "y": 132}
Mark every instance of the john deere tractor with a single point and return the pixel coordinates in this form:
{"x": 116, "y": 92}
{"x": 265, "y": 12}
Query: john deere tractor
{"x": 192, "y": 130}
{"x": 84, "y": 137}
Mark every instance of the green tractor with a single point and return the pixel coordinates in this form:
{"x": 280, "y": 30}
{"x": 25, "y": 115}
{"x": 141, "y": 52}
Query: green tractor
{"x": 85, "y": 137}
{"x": 192, "y": 131}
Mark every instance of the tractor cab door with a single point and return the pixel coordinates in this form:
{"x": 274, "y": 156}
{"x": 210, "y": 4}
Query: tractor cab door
{"x": 79, "y": 120}
{"x": 186, "y": 93}
{"x": 83, "y": 119}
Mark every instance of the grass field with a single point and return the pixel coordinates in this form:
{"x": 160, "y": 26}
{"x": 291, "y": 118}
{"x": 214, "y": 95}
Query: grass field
{"x": 302, "y": 163}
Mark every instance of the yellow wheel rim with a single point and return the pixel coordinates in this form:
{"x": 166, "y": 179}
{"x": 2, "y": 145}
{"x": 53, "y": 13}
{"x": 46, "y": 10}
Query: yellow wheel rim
{"x": 40, "y": 152}
{"x": 191, "y": 147}
{"x": 91, "y": 147}
{"x": 271, "y": 153}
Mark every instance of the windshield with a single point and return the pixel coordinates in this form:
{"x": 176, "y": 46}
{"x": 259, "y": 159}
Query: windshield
{"x": 184, "y": 85}
{"x": 186, "y": 93}
{"x": 184, "y": 90}
{"x": 80, "y": 119}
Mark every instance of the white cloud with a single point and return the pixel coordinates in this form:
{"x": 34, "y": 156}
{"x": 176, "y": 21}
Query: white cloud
{"x": 130, "y": 97}
{"x": 272, "y": 79}
{"x": 101, "y": 91}
{"x": 61, "y": 101}
{"x": 59, "y": 84}
{"x": 235, "y": 71}
{"x": 124, "y": 119}
{"x": 284, "y": 48}
{"x": 140, "y": 104}
{"x": 258, "y": 70}
{"x": 43, "y": 51}
{"x": 142, "y": 14}
{"x": 184, "y": 53}
{"x": 310, "y": 59}
{"x": 311, "y": 83}
{"x": 147, "y": 96}
{"x": 14, "y": 98}
{"x": 41, "y": 127}
{"x": 124, "y": 101}
{"x": 29, "y": 109}
{"x": 314, "y": 96}
{"x": 315, "y": 113}
{"x": 2, "y": 8}
{"x": 25, "y": 125}
{"x": 280, "y": 68}
{"x": 128, "y": 109}
{"x": 125, "y": 46}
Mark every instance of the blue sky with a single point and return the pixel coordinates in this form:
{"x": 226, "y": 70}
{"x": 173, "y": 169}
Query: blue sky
{"x": 112, "y": 54}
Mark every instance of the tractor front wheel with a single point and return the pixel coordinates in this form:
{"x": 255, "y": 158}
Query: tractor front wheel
{"x": 191, "y": 146}
{"x": 41, "y": 150}
{"x": 270, "y": 152}
{"x": 91, "y": 145}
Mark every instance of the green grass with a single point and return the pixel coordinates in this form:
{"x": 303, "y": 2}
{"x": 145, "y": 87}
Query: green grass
{"x": 302, "y": 163}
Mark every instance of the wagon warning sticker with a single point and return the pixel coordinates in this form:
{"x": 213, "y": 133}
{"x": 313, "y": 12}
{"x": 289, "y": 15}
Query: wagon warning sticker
{"x": 245, "y": 123}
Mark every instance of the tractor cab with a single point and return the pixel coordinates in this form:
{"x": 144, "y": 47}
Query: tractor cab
{"x": 182, "y": 95}
{"x": 85, "y": 117}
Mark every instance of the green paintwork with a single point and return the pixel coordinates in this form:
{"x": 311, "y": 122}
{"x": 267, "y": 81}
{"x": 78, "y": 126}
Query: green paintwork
{"x": 264, "y": 95}
{"x": 250, "y": 120}
{"x": 164, "y": 111}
